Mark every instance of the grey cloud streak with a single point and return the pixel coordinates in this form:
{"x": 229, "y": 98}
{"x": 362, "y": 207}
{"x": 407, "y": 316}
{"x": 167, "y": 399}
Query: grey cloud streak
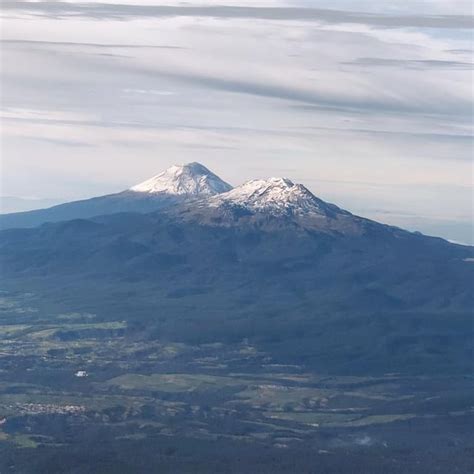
{"x": 57, "y": 141}
{"x": 20, "y": 42}
{"x": 106, "y": 11}
{"x": 411, "y": 63}
{"x": 313, "y": 98}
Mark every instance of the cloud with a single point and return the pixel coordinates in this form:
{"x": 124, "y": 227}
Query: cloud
{"x": 75, "y": 44}
{"x": 57, "y": 141}
{"x": 411, "y": 63}
{"x": 319, "y": 98}
{"x": 104, "y": 11}
{"x": 461, "y": 51}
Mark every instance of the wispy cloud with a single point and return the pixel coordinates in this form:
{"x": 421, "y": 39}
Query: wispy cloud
{"x": 320, "y": 98}
{"x": 104, "y": 11}
{"x": 69, "y": 44}
{"x": 57, "y": 141}
{"x": 412, "y": 63}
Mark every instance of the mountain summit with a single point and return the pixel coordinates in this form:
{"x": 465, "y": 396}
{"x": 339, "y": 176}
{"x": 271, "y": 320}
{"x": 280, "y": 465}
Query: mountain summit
{"x": 275, "y": 196}
{"x": 274, "y": 203}
{"x": 192, "y": 179}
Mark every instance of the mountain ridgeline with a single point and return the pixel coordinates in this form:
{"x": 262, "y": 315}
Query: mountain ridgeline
{"x": 186, "y": 257}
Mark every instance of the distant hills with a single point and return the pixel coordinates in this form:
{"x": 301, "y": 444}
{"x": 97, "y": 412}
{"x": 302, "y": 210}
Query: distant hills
{"x": 174, "y": 185}
{"x": 10, "y": 204}
{"x": 266, "y": 261}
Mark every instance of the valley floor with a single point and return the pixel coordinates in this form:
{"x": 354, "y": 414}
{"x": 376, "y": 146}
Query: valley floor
{"x": 81, "y": 395}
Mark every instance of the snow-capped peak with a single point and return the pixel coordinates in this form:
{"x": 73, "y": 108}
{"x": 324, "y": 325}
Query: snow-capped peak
{"x": 192, "y": 179}
{"x": 273, "y": 195}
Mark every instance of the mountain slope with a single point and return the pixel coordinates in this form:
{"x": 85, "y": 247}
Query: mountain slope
{"x": 270, "y": 262}
{"x": 172, "y": 186}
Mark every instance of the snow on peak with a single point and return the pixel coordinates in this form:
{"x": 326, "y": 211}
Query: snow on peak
{"x": 192, "y": 179}
{"x": 273, "y": 195}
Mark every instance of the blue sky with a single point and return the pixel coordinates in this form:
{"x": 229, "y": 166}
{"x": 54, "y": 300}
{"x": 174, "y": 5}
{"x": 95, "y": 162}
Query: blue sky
{"x": 367, "y": 103}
